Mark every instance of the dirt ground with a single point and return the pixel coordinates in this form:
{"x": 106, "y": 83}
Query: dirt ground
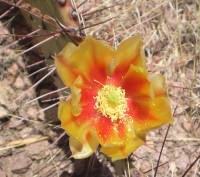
{"x": 31, "y": 140}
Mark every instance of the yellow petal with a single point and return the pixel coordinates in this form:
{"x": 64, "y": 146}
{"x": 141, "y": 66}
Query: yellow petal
{"x": 103, "y": 54}
{"x": 129, "y": 52}
{"x": 158, "y": 85}
{"x": 153, "y": 114}
{"x": 136, "y": 83}
{"x": 122, "y": 152}
{"x": 109, "y": 133}
{"x": 75, "y": 101}
{"x": 76, "y": 96}
{"x": 83, "y": 141}
{"x": 82, "y": 59}
{"x": 62, "y": 64}
{"x": 84, "y": 149}
{"x": 91, "y": 59}
{"x": 67, "y": 120}
{"x": 129, "y": 143}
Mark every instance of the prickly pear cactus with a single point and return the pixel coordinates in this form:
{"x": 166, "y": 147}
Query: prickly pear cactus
{"x": 50, "y": 25}
{"x": 59, "y": 9}
{"x": 55, "y": 21}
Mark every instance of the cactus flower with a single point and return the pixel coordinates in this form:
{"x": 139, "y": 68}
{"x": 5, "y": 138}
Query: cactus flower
{"x": 114, "y": 101}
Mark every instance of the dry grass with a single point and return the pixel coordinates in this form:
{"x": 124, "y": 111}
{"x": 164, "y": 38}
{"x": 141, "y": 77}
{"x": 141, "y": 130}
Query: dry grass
{"x": 171, "y": 33}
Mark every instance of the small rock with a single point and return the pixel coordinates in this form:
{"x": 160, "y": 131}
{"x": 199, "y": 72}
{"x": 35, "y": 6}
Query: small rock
{"x": 144, "y": 165}
{"x": 16, "y": 124}
{"x": 5, "y": 153}
{"x": 14, "y": 69}
{"x": 2, "y": 140}
{"x": 2, "y": 174}
{"x": 187, "y": 125}
{"x": 172, "y": 167}
{"x": 182, "y": 164}
{"x": 19, "y": 83}
{"x": 20, "y": 163}
{"x": 47, "y": 171}
{"x": 26, "y": 132}
{"x": 38, "y": 150}
{"x": 32, "y": 112}
{"x": 3, "y": 113}
{"x": 136, "y": 173}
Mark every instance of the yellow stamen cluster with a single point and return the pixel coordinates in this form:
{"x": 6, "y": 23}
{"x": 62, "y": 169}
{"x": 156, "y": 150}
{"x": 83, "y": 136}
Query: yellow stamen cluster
{"x": 111, "y": 102}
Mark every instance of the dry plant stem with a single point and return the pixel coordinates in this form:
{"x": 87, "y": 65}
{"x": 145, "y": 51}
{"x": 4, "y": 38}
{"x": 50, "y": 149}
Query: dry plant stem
{"x": 99, "y": 23}
{"x": 99, "y": 10}
{"x": 163, "y": 144}
{"x": 82, "y": 3}
{"x": 155, "y": 167}
{"x": 192, "y": 164}
{"x": 23, "y": 142}
{"x": 30, "y": 120}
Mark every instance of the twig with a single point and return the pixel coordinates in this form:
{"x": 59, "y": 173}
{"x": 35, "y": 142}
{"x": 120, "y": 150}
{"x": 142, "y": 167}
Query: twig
{"x": 22, "y": 142}
{"x": 163, "y": 144}
{"x": 191, "y": 165}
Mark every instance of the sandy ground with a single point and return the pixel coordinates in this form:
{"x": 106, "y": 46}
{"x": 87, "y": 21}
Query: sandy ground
{"x": 31, "y": 140}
